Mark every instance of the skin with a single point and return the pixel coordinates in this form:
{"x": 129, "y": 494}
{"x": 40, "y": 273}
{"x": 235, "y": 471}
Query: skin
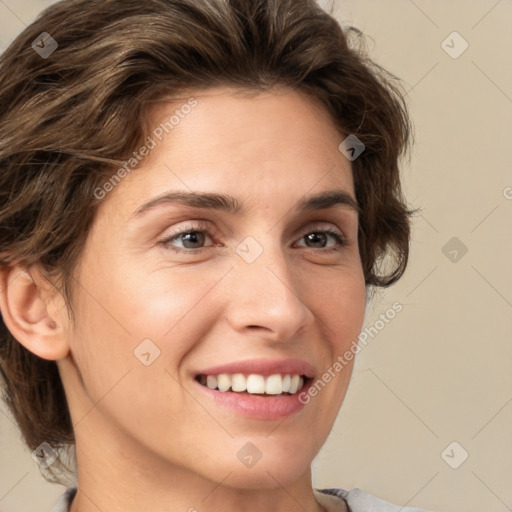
{"x": 146, "y": 438}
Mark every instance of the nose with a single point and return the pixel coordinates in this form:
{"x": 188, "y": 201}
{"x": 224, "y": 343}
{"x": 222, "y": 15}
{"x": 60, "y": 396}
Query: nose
{"x": 267, "y": 295}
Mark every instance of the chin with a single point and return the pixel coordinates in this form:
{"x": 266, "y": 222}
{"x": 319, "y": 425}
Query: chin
{"x": 267, "y": 476}
{"x": 268, "y": 469}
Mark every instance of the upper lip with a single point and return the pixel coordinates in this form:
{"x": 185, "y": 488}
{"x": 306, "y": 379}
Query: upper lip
{"x": 263, "y": 367}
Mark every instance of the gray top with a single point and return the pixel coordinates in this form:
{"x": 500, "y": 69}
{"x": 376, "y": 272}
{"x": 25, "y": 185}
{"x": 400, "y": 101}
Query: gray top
{"x": 355, "y": 500}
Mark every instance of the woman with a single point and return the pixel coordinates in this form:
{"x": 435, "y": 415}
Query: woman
{"x": 195, "y": 200}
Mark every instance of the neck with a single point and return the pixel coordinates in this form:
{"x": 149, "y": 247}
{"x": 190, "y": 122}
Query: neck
{"x": 117, "y": 475}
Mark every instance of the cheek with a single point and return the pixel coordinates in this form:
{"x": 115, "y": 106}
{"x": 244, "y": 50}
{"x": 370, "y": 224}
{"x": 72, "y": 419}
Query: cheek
{"x": 128, "y": 354}
{"x": 340, "y": 308}
{"x": 339, "y": 302}
{"x": 165, "y": 301}
{"x": 172, "y": 307}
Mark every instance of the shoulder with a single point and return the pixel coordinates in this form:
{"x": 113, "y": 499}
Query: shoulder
{"x": 358, "y": 500}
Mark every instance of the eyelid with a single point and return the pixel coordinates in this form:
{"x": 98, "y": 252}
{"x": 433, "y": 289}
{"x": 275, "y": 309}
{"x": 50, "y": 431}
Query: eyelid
{"x": 207, "y": 228}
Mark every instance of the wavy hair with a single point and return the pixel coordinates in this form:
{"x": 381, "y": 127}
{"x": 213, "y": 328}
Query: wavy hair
{"x": 68, "y": 120}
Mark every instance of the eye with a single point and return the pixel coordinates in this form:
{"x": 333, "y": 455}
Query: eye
{"x": 313, "y": 237}
{"x": 195, "y": 234}
{"x": 192, "y": 235}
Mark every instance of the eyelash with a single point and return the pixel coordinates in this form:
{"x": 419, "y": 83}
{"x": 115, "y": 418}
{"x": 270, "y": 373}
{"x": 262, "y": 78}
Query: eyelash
{"x": 204, "y": 228}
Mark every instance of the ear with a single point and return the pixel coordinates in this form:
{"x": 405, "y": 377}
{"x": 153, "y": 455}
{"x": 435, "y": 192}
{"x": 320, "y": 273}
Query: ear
{"x": 34, "y": 311}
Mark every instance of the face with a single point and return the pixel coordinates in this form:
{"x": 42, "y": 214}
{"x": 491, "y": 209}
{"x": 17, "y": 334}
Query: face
{"x": 169, "y": 291}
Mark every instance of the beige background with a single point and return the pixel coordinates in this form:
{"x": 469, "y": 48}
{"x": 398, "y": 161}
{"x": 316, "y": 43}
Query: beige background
{"x": 441, "y": 370}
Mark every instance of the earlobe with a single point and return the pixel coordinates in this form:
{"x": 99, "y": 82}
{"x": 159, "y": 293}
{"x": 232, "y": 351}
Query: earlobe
{"x": 29, "y": 304}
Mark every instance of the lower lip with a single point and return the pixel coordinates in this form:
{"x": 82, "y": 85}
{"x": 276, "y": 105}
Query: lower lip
{"x": 258, "y": 407}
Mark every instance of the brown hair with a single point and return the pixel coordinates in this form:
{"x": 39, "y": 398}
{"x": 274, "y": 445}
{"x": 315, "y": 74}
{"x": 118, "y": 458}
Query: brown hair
{"x": 68, "y": 120}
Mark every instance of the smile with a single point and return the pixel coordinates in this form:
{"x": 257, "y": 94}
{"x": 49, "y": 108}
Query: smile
{"x": 254, "y": 384}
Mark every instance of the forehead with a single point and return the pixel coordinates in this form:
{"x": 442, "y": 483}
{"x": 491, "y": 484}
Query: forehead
{"x": 274, "y": 145}
{"x": 225, "y": 118}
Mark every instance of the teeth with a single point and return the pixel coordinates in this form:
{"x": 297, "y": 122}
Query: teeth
{"x": 286, "y": 383}
{"x": 253, "y": 383}
{"x": 223, "y": 382}
{"x": 238, "y": 382}
{"x": 274, "y": 385}
{"x": 294, "y": 384}
{"x": 211, "y": 381}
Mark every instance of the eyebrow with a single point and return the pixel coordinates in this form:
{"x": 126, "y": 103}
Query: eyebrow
{"x": 230, "y": 204}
